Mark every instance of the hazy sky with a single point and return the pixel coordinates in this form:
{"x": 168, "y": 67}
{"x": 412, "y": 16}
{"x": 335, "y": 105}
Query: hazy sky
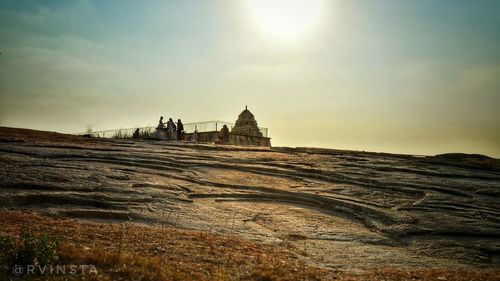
{"x": 419, "y": 76}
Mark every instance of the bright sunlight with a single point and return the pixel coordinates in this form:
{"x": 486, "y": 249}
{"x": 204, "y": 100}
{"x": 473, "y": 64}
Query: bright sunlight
{"x": 286, "y": 19}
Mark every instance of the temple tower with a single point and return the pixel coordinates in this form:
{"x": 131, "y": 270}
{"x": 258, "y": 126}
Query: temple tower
{"x": 246, "y": 125}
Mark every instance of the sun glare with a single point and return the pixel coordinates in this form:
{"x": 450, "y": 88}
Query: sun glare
{"x": 286, "y": 19}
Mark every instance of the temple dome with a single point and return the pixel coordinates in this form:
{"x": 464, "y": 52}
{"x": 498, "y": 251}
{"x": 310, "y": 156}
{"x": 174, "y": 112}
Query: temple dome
{"x": 246, "y": 125}
{"x": 246, "y": 115}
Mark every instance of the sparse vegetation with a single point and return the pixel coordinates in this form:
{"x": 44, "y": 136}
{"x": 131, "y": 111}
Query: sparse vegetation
{"x": 122, "y": 134}
{"x": 156, "y": 253}
{"x": 28, "y": 249}
{"x": 146, "y": 133}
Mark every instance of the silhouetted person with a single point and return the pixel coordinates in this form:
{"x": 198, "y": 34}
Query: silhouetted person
{"x": 180, "y": 129}
{"x": 225, "y": 134}
{"x": 161, "y": 125}
{"x": 194, "y": 136}
{"x": 170, "y": 128}
{"x": 136, "y": 134}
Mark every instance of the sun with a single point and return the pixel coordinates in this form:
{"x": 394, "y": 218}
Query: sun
{"x": 286, "y": 19}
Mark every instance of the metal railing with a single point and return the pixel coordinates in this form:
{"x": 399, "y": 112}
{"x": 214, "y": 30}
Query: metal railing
{"x": 206, "y": 126}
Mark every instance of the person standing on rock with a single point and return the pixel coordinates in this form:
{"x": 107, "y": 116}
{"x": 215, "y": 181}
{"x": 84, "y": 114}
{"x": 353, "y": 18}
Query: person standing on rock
{"x": 170, "y": 129}
{"x": 225, "y": 134}
{"x": 136, "y": 134}
{"x": 194, "y": 136}
{"x": 161, "y": 125}
{"x": 180, "y": 130}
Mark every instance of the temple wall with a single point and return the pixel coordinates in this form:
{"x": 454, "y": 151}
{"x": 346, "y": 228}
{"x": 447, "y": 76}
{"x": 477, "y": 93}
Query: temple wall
{"x": 203, "y": 136}
{"x": 249, "y": 140}
{"x": 233, "y": 139}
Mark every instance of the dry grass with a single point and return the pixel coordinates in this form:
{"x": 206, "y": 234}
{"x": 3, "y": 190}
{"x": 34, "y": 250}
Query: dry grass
{"x": 146, "y": 133}
{"x": 122, "y": 134}
{"x": 133, "y": 252}
{"x": 127, "y": 251}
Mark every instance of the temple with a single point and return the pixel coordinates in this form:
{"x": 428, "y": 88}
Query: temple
{"x": 246, "y": 131}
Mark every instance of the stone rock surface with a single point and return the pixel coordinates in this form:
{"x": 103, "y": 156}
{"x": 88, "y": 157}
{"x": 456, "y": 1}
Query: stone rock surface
{"x": 341, "y": 209}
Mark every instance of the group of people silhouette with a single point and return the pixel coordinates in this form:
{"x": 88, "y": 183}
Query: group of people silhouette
{"x": 171, "y": 130}
{"x": 170, "y": 127}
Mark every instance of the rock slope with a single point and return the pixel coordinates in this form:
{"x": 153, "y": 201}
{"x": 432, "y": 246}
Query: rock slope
{"x": 340, "y": 209}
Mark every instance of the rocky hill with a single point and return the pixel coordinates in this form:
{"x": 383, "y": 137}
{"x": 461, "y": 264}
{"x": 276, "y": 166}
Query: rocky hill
{"x": 334, "y": 209}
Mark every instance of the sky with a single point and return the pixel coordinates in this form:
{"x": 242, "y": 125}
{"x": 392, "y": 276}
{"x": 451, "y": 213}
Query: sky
{"x": 415, "y": 77}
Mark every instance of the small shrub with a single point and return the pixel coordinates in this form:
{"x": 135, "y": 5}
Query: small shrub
{"x": 7, "y": 250}
{"x": 28, "y": 249}
{"x": 120, "y": 134}
{"x": 146, "y": 133}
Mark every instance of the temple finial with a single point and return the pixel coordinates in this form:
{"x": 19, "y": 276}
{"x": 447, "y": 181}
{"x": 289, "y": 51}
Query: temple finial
{"x": 246, "y": 107}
